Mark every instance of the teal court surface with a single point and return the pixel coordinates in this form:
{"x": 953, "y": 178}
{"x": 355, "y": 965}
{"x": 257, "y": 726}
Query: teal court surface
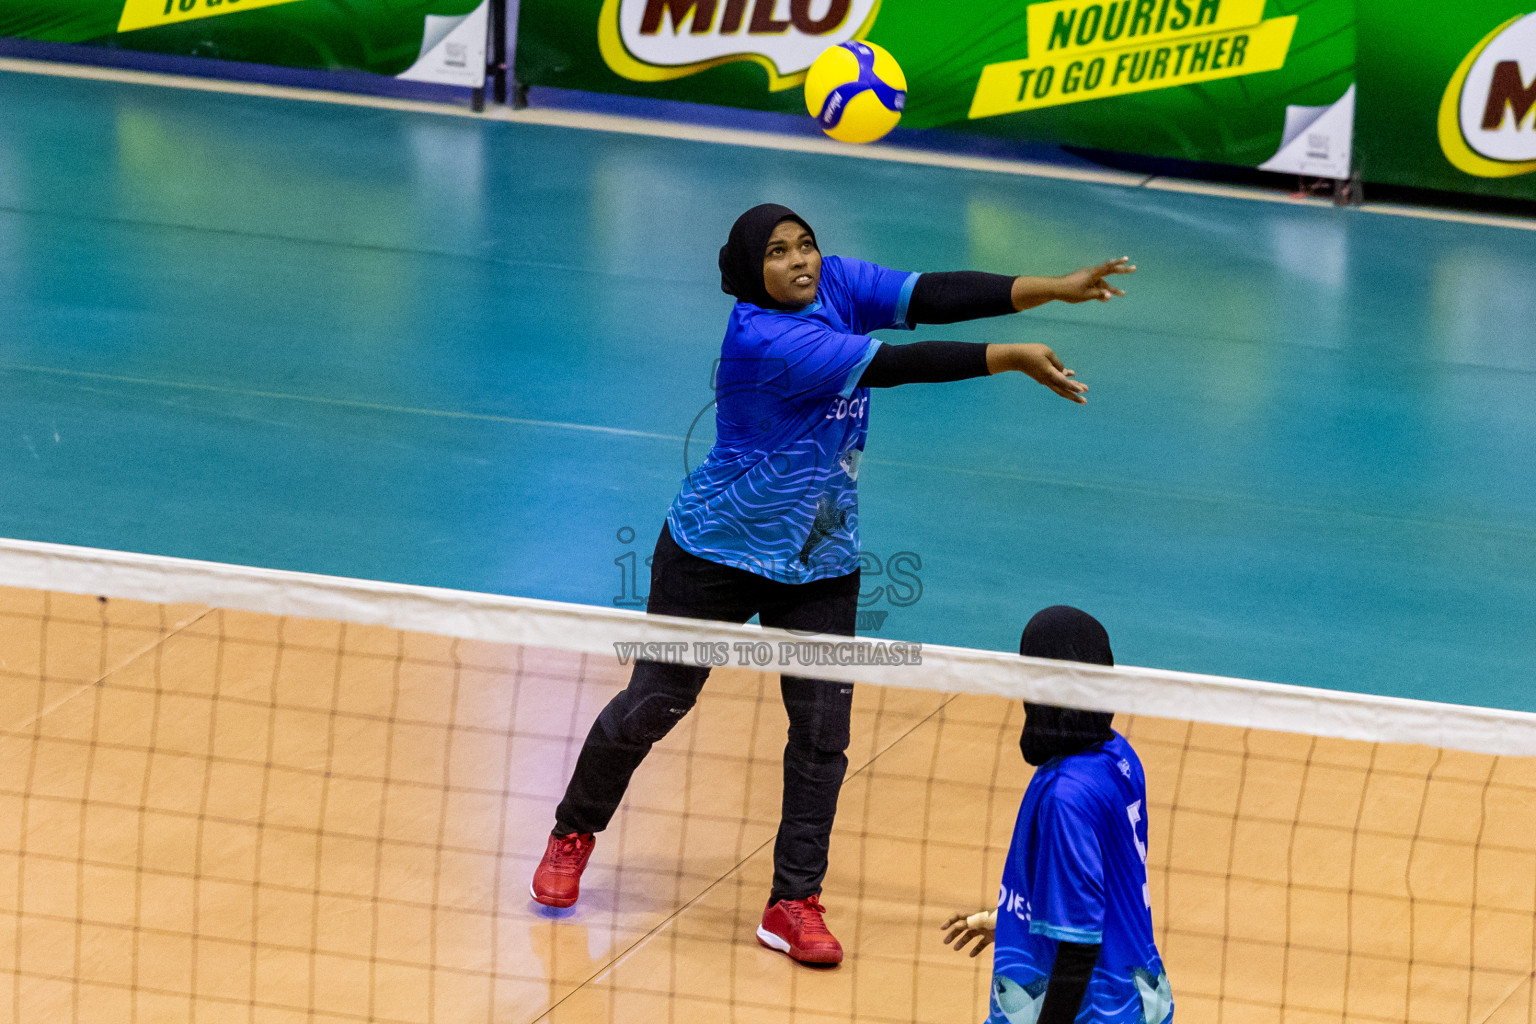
{"x": 476, "y": 354}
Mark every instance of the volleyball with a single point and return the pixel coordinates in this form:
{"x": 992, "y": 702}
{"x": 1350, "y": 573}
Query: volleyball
{"x": 855, "y": 91}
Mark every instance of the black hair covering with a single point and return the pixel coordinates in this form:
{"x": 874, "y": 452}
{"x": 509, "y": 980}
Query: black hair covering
{"x": 1066, "y": 634}
{"x": 741, "y": 257}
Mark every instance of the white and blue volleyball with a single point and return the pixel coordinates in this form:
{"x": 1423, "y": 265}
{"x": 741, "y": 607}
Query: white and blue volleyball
{"x": 855, "y": 91}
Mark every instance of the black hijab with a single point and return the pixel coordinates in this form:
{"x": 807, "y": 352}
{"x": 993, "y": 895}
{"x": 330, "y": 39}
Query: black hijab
{"x": 1066, "y": 634}
{"x": 741, "y": 257}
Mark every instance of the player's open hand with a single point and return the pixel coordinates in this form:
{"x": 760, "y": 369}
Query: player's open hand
{"x": 1093, "y": 282}
{"x": 962, "y": 928}
{"x": 1039, "y": 362}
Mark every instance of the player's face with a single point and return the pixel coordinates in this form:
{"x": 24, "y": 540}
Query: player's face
{"x": 791, "y": 265}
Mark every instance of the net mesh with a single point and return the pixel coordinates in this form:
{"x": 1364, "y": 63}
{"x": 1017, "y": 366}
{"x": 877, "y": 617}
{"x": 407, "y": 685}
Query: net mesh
{"x": 218, "y": 815}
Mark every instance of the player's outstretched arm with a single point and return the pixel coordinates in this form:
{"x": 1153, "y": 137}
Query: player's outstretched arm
{"x": 952, "y": 296}
{"x": 936, "y": 362}
{"x": 1083, "y": 285}
{"x": 962, "y": 928}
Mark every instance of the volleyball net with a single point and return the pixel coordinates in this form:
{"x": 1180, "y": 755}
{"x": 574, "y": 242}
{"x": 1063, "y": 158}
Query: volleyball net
{"x": 235, "y": 793}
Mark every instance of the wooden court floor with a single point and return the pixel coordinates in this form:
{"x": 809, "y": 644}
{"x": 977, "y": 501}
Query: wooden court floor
{"x": 209, "y": 816}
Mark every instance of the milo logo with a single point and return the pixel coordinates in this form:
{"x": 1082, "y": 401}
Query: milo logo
{"x": 655, "y": 40}
{"x": 1487, "y": 122}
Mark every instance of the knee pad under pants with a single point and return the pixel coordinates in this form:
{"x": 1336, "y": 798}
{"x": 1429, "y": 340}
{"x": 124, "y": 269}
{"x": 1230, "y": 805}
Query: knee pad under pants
{"x": 658, "y": 697}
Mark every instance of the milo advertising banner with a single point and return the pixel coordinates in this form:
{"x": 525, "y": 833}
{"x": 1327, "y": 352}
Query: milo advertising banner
{"x": 1448, "y": 95}
{"x": 1254, "y": 82}
{"x": 441, "y": 41}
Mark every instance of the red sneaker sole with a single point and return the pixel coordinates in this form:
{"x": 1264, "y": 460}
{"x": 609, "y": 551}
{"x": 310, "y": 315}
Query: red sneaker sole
{"x": 781, "y": 945}
{"x": 550, "y": 901}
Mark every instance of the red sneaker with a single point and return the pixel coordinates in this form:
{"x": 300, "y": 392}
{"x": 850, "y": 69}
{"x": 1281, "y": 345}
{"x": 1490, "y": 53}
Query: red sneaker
{"x": 557, "y": 882}
{"x": 796, "y": 927}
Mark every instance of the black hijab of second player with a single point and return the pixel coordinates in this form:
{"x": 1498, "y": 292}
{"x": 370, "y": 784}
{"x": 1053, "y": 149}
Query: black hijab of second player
{"x": 1065, "y": 634}
{"x": 741, "y": 257}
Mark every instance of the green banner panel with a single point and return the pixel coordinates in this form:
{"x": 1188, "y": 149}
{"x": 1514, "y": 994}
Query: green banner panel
{"x": 419, "y": 40}
{"x": 1448, "y": 95}
{"x": 1251, "y": 82}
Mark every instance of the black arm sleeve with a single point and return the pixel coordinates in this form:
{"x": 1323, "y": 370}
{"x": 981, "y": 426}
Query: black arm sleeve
{"x": 957, "y": 295}
{"x": 1068, "y": 983}
{"x": 925, "y": 362}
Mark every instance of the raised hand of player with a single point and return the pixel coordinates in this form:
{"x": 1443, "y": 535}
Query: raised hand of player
{"x": 1092, "y": 282}
{"x": 1040, "y": 363}
{"x": 962, "y": 928}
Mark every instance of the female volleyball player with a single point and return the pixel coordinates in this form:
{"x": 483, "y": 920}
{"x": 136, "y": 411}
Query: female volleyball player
{"x": 767, "y": 525}
{"x": 1073, "y": 924}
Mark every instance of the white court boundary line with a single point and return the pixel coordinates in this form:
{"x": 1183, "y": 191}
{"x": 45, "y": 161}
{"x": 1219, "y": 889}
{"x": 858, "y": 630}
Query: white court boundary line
{"x": 589, "y": 121}
{"x": 593, "y": 629}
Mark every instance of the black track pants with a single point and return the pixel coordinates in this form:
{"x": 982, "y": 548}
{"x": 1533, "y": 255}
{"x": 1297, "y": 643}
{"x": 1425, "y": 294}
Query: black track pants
{"x": 660, "y": 694}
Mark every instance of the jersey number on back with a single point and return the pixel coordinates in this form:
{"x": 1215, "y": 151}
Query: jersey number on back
{"x": 1133, "y": 812}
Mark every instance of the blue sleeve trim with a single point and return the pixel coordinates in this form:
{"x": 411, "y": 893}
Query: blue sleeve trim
{"x": 859, "y": 368}
{"x": 1060, "y": 934}
{"x": 903, "y": 301}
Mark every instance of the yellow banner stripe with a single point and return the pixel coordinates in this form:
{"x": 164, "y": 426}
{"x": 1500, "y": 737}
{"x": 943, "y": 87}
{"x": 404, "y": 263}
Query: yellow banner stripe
{"x": 1017, "y": 85}
{"x": 139, "y": 14}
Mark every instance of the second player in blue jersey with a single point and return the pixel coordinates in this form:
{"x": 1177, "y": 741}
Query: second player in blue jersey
{"x": 1073, "y": 925}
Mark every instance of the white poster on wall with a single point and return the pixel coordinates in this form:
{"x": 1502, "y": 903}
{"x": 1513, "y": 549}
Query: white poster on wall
{"x": 1316, "y": 141}
{"x": 452, "y": 50}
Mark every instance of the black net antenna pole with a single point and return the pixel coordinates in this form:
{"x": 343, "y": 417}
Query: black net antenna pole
{"x": 496, "y": 66}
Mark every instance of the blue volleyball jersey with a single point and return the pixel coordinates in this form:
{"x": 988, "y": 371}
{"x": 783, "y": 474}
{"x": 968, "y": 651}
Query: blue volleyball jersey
{"x": 778, "y": 493}
{"x": 1077, "y": 872}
